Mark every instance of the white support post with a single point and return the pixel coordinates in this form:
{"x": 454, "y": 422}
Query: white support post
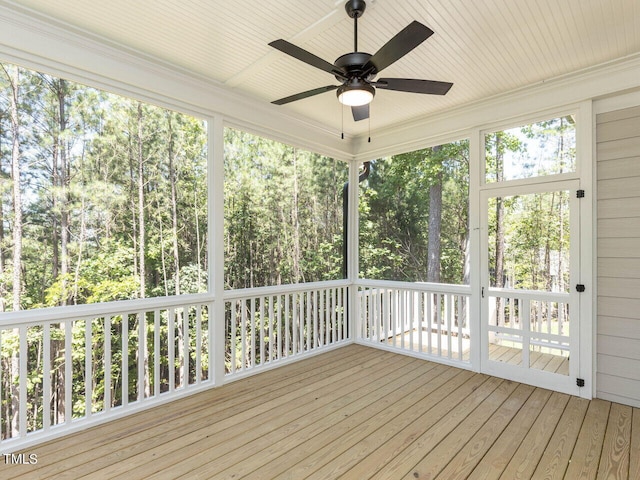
{"x": 585, "y": 139}
{"x": 215, "y": 201}
{"x": 476, "y": 277}
{"x": 352, "y": 250}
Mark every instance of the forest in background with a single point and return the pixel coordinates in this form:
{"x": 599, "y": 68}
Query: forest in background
{"x": 101, "y": 197}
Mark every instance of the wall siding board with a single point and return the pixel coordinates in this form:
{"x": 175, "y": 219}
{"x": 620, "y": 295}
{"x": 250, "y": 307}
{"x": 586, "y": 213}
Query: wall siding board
{"x": 618, "y": 252}
{"x": 619, "y": 327}
{"x": 618, "y": 115}
{"x": 619, "y": 366}
{"x": 627, "y": 147}
{"x": 619, "y": 227}
{"x": 619, "y": 247}
{"x": 619, "y": 168}
{"x": 627, "y": 128}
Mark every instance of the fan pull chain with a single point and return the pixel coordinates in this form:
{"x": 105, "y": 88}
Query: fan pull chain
{"x": 369, "y": 123}
{"x": 342, "y": 127}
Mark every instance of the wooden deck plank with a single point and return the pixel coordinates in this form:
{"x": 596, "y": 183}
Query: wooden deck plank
{"x": 468, "y": 457}
{"x": 414, "y": 444}
{"x": 634, "y": 461}
{"x": 525, "y": 460}
{"x": 586, "y": 454}
{"x": 230, "y": 426}
{"x": 614, "y": 460}
{"x": 555, "y": 460}
{"x": 499, "y": 455}
{"x": 253, "y": 454}
{"x": 327, "y": 446}
{"x": 388, "y": 407}
{"x": 359, "y": 413}
{"x": 234, "y": 393}
{"x": 146, "y": 429}
{"x": 430, "y": 465}
{"x": 361, "y": 444}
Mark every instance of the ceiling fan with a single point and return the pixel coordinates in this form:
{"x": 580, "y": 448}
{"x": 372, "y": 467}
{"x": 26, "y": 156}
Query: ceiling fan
{"x": 357, "y": 70}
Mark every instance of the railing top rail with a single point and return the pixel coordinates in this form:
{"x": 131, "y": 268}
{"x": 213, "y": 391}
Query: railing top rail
{"x": 419, "y": 286}
{"x": 528, "y": 294}
{"x": 280, "y": 289}
{"x": 75, "y": 312}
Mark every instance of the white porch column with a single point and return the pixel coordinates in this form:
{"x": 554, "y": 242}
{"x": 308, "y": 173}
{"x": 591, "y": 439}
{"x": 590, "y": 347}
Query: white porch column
{"x": 352, "y": 248}
{"x": 216, "y": 246}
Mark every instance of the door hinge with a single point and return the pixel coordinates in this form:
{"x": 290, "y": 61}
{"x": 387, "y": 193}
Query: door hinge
{"x": 580, "y": 193}
{"x": 580, "y": 288}
{"x": 580, "y": 382}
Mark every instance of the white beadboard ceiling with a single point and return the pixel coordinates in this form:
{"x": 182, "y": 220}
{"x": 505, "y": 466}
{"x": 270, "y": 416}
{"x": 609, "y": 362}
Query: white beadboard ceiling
{"x": 484, "y": 47}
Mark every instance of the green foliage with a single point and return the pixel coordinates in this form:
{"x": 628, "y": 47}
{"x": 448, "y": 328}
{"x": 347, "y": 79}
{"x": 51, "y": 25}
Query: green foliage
{"x": 283, "y": 213}
{"x": 394, "y": 214}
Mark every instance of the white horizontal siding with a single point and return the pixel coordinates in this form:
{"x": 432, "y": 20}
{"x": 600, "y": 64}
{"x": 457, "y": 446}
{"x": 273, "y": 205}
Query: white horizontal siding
{"x": 618, "y": 179}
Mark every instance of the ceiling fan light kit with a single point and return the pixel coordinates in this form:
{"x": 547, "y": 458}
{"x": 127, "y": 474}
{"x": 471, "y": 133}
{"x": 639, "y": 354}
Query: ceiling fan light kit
{"x": 357, "y": 70}
{"x": 355, "y": 93}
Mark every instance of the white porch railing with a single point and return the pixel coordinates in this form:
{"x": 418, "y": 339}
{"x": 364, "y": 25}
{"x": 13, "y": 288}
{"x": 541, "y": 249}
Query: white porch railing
{"x": 531, "y": 320}
{"x": 69, "y": 367}
{"x": 72, "y": 366}
{"x": 265, "y": 326}
{"x": 428, "y": 319}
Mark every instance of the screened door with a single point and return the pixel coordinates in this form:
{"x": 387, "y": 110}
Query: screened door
{"x": 530, "y": 268}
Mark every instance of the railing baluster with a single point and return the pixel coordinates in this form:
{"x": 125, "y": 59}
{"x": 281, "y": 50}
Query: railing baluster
{"x": 107, "y": 363}
{"x": 287, "y": 325}
{"x": 88, "y": 374}
{"x": 125, "y": 360}
{"x": 261, "y": 331}
{"x": 243, "y": 334}
{"x": 295, "y": 321}
{"x": 271, "y": 321}
{"x": 22, "y": 375}
{"x": 186, "y": 346}
{"x": 448, "y": 309}
{"x": 252, "y": 316}
{"x": 171, "y": 345}
{"x": 309, "y": 320}
{"x": 198, "y": 378}
{"x": 68, "y": 373}
{"x": 279, "y": 318}
{"x": 156, "y": 352}
{"x": 322, "y": 318}
{"x": 460, "y": 300}
{"x": 46, "y": 376}
{"x": 430, "y": 313}
{"x": 142, "y": 341}
{"x": 316, "y": 320}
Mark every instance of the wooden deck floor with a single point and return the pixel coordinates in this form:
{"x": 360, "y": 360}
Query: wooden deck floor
{"x": 356, "y": 413}
{"x": 499, "y": 353}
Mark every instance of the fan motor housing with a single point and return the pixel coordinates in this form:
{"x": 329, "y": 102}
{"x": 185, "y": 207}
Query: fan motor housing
{"x": 355, "y": 8}
{"x": 353, "y": 63}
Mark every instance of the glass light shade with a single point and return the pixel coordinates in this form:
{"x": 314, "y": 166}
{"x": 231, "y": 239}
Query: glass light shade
{"x": 355, "y": 97}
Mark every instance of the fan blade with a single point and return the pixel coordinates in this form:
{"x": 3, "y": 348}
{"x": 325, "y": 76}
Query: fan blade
{"x": 406, "y": 40}
{"x": 307, "y": 57}
{"x": 308, "y": 93}
{"x": 414, "y": 86}
{"x": 360, "y": 113}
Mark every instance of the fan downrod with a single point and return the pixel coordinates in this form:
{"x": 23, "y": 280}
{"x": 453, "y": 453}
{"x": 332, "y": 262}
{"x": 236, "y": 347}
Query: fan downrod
{"x": 355, "y": 8}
